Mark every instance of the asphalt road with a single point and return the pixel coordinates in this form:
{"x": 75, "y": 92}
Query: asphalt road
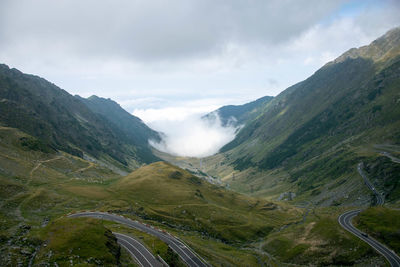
{"x": 137, "y": 250}
{"x": 185, "y": 253}
{"x": 345, "y": 222}
{"x": 346, "y": 218}
{"x": 379, "y": 199}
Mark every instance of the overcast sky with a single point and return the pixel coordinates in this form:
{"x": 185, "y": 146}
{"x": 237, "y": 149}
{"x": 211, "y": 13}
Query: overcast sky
{"x": 170, "y": 58}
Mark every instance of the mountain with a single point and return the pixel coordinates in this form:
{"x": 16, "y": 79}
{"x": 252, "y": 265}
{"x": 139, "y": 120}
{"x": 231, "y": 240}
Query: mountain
{"x": 316, "y": 131}
{"x": 239, "y": 114}
{"x": 66, "y": 123}
{"x": 59, "y": 153}
{"x": 134, "y": 129}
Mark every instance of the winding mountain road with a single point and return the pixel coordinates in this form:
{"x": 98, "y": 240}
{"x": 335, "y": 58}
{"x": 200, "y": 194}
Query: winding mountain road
{"x": 185, "y": 253}
{"x": 142, "y": 255}
{"x": 346, "y": 218}
{"x": 345, "y": 221}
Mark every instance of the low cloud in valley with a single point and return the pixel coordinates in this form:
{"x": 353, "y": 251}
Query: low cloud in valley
{"x": 192, "y": 136}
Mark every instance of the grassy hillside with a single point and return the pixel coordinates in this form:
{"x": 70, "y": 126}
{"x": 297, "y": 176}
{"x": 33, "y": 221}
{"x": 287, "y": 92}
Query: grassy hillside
{"x": 312, "y": 135}
{"x": 320, "y": 241}
{"x": 39, "y": 186}
{"x": 65, "y": 123}
{"x": 166, "y": 193}
{"x": 82, "y": 241}
{"x": 36, "y": 187}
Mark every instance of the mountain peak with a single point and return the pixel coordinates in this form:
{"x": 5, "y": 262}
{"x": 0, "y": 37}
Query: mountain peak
{"x": 383, "y": 48}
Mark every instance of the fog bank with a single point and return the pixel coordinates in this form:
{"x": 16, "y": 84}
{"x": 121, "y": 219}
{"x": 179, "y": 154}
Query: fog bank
{"x": 192, "y": 136}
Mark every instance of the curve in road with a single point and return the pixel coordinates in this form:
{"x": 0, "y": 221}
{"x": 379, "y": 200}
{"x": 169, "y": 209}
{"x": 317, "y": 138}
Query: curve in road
{"x": 345, "y": 221}
{"x": 184, "y": 252}
{"x": 142, "y": 255}
{"x": 346, "y": 218}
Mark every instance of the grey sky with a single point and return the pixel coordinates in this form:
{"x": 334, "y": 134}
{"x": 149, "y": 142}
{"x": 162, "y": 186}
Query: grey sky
{"x": 167, "y": 58}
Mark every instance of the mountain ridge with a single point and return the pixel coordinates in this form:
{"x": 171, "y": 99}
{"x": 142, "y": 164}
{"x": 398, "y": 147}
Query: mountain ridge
{"x": 40, "y": 108}
{"x": 236, "y": 115}
{"x": 132, "y": 128}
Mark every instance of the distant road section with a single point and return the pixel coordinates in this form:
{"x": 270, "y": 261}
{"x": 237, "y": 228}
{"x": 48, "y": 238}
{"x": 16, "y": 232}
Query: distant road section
{"x": 346, "y": 218}
{"x": 142, "y": 255}
{"x": 345, "y": 222}
{"x": 387, "y": 154}
{"x": 379, "y": 198}
{"x": 185, "y": 253}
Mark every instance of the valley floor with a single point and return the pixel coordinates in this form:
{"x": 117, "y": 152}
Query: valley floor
{"x": 225, "y": 228}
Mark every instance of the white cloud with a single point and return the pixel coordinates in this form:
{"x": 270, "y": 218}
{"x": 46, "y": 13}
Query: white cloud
{"x": 192, "y": 136}
{"x": 159, "y": 117}
{"x": 185, "y": 133}
{"x": 153, "y": 30}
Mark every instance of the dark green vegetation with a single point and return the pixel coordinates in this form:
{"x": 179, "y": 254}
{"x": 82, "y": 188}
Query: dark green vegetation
{"x": 383, "y": 224}
{"x": 240, "y": 114}
{"x": 66, "y": 123}
{"x": 133, "y": 129}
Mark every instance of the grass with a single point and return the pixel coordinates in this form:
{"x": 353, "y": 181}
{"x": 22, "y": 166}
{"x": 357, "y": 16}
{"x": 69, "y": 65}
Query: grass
{"x": 191, "y": 203}
{"x": 221, "y": 225}
{"x": 82, "y": 241}
{"x": 318, "y": 241}
{"x": 381, "y": 223}
{"x": 220, "y": 254}
{"x": 37, "y": 187}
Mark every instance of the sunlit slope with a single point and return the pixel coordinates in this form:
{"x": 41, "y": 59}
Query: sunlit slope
{"x": 174, "y": 195}
{"x": 37, "y": 185}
